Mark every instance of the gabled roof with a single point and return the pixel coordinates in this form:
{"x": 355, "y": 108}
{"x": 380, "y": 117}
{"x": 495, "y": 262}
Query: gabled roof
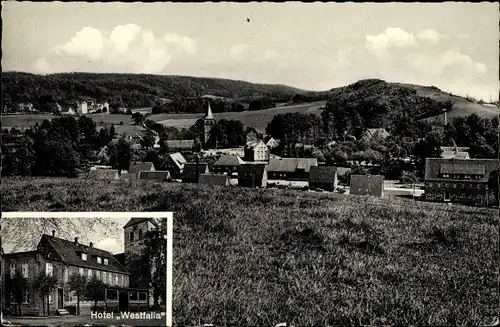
{"x": 322, "y": 174}
{"x": 436, "y": 166}
{"x": 376, "y": 132}
{"x": 70, "y": 253}
{"x": 136, "y": 167}
{"x": 229, "y": 160}
{"x": 180, "y": 144}
{"x": 291, "y": 164}
{"x": 254, "y": 143}
{"x": 213, "y": 179}
{"x": 178, "y": 159}
{"x": 135, "y": 221}
{"x": 257, "y": 170}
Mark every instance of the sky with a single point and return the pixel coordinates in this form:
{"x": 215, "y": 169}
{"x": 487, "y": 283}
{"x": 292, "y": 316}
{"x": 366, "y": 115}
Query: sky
{"x": 112, "y": 240}
{"x": 313, "y": 46}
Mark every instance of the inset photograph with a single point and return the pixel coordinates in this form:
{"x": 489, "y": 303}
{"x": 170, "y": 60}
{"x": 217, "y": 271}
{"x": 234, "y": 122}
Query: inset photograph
{"x": 94, "y": 269}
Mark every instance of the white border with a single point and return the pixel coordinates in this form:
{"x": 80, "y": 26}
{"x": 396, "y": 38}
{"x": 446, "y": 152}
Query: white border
{"x": 170, "y": 234}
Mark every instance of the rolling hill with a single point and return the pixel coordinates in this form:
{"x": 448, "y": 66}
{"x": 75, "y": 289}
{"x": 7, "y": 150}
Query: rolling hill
{"x": 132, "y": 90}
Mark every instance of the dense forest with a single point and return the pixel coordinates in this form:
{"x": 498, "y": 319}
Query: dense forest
{"x": 136, "y": 90}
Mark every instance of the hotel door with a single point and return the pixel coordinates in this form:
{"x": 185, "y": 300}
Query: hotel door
{"x": 123, "y": 301}
{"x": 60, "y": 298}
{"x": 446, "y": 196}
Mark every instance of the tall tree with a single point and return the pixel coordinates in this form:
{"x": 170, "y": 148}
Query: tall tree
{"x": 45, "y": 285}
{"x": 16, "y": 287}
{"x": 78, "y": 284}
{"x": 96, "y": 290}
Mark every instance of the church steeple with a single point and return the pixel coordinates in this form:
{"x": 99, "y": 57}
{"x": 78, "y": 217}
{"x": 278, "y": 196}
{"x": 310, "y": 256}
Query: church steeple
{"x": 208, "y": 124}
{"x": 209, "y": 113}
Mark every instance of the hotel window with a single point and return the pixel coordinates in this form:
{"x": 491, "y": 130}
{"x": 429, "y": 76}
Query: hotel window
{"x": 25, "y": 270}
{"x": 140, "y": 234}
{"x": 454, "y": 185}
{"x": 106, "y": 261}
{"x": 49, "y": 269}
{"x": 98, "y": 274}
{"x": 12, "y": 270}
{"x": 104, "y": 276}
{"x": 446, "y": 175}
{"x": 89, "y": 273}
{"x": 123, "y": 280}
{"x": 26, "y": 297}
{"x": 110, "y": 278}
{"x": 81, "y": 271}
{"x": 131, "y": 236}
{"x": 51, "y": 298}
{"x": 99, "y": 260}
{"x": 117, "y": 282}
{"x": 84, "y": 256}
{"x": 142, "y": 296}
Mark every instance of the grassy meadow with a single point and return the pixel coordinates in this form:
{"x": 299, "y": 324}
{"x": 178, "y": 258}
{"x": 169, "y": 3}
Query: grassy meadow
{"x": 260, "y": 257}
{"x": 257, "y": 119}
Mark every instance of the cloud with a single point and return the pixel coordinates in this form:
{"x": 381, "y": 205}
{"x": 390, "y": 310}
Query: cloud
{"x": 110, "y": 244}
{"x": 86, "y": 43}
{"x": 451, "y": 61}
{"x": 245, "y": 52}
{"x": 430, "y": 36}
{"x": 393, "y": 37}
{"x": 128, "y": 48}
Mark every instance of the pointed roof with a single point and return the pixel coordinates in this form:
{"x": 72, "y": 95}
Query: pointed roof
{"x": 134, "y": 221}
{"x": 209, "y": 113}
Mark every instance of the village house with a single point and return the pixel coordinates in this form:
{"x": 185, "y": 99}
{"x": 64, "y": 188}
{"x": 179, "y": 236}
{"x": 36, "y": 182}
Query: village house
{"x": 134, "y": 169}
{"x": 367, "y": 185}
{"x": 252, "y": 175}
{"x": 272, "y": 143}
{"x": 214, "y": 179}
{"x": 455, "y": 152}
{"x": 103, "y": 174}
{"x": 375, "y": 133}
{"x": 174, "y": 163}
{"x": 290, "y": 168}
{"x": 256, "y": 151}
{"x": 62, "y": 258}
{"x": 158, "y": 175}
{"x": 323, "y": 177}
{"x": 192, "y": 171}
{"x": 461, "y": 180}
{"x": 26, "y": 106}
{"x": 227, "y": 164}
{"x": 183, "y": 146}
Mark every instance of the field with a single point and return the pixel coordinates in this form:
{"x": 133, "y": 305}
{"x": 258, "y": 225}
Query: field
{"x": 257, "y": 119}
{"x": 261, "y": 257}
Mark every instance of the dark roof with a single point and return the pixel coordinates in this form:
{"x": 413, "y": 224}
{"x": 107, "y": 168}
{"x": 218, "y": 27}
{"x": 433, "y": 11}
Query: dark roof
{"x": 180, "y": 144}
{"x": 436, "y": 166}
{"x": 190, "y": 169}
{"x": 136, "y": 167}
{"x": 247, "y": 170}
{"x": 135, "y": 221}
{"x": 229, "y": 160}
{"x": 291, "y": 164}
{"x": 70, "y": 254}
{"x": 154, "y": 175}
{"x": 367, "y": 185}
{"x": 213, "y": 179}
{"x": 322, "y": 174}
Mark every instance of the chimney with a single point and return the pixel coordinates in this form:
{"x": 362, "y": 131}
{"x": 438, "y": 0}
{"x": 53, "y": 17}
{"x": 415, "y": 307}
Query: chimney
{"x": 76, "y": 240}
{"x": 53, "y": 233}
{"x": 91, "y": 244}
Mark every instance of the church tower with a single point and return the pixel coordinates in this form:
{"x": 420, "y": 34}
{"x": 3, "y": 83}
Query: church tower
{"x": 208, "y": 124}
{"x": 134, "y": 234}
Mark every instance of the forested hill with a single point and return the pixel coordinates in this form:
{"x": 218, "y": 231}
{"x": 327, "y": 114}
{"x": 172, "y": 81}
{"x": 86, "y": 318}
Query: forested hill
{"x": 376, "y": 103}
{"x": 133, "y": 90}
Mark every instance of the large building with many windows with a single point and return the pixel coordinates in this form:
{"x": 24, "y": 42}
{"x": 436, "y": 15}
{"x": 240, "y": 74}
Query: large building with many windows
{"x": 62, "y": 258}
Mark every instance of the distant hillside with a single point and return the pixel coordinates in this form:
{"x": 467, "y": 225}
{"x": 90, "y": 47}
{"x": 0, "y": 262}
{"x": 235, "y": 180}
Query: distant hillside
{"x": 376, "y": 103}
{"x": 132, "y": 90}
